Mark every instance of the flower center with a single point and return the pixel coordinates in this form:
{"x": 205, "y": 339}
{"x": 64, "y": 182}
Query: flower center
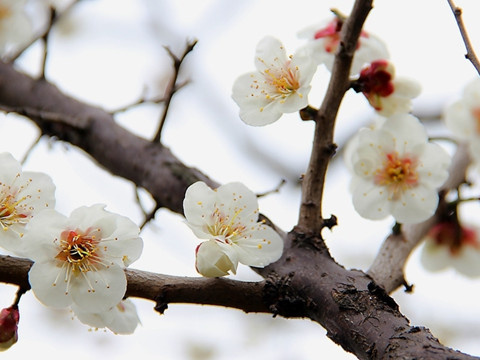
{"x": 398, "y": 174}
{"x": 79, "y": 250}
{"x": 225, "y": 229}
{"x": 11, "y": 211}
{"x": 285, "y": 81}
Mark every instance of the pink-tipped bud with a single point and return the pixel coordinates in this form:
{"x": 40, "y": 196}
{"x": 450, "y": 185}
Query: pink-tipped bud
{"x": 9, "y": 318}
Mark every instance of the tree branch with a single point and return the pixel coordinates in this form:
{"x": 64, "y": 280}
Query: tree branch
{"x": 310, "y": 218}
{"x": 149, "y": 165}
{"x": 470, "y": 55}
{"x": 164, "y": 289}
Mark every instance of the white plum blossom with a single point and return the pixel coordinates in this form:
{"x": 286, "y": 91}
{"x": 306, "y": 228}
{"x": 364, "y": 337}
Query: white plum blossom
{"x": 449, "y": 244}
{"x": 227, "y": 218}
{"x": 15, "y": 25}
{"x": 280, "y": 85}
{"x": 463, "y": 118}
{"x": 23, "y": 194}
{"x": 324, "y": 39}
{"x": 81, "y": 259}
{"x": 120, "y": 319}
{"x": 396, "y": 171}
{"x": 387, "y": 94}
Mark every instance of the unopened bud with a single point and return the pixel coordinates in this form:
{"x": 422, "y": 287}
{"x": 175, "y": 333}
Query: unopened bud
{"x": 9, "y": 318}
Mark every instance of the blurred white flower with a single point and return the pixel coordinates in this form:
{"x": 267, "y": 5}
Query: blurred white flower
{"x": 80, "y": 259}
{"x": 228, "y": 218}
{"x": 15, "y": 25}
{"x": 22, "y": 196}
{"x": 396, "y": 171}
{"x": 450, "y": 245}
{"x": 324, "y": 38}
{"x": 120, "y": 319}
{"x": 280, "y": 85}
{"x": 387, "y": 94}
{"x": 463, "y": 118}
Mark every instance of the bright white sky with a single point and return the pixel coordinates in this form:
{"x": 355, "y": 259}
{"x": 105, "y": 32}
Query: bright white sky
{"x": 108, "y": 51}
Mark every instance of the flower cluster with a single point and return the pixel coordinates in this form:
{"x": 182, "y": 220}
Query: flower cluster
{"x": 79, "y": 261}
{"x": 227, "y": 218}
{"x": 397, "y": 171}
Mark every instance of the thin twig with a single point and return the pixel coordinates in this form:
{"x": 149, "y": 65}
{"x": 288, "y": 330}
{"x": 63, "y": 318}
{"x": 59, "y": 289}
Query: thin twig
{"x": 470, "y": 55}
{"x": 53, "y": 15}
{"x": 172, "y": 87}
{"x": 30, "y": 149}
{"x": 43, "y": 33}
{"x": 148, "y": 215}
{"x": 275, "y": 190}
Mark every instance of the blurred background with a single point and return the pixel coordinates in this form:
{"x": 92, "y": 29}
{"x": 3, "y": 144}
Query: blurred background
{"x": 110, "y": 53}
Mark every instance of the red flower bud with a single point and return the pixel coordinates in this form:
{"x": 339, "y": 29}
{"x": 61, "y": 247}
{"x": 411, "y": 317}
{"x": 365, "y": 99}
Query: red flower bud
{"x": 9, "y": 318}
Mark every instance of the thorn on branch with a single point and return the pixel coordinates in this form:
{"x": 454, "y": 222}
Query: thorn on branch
{"x": 160, "y": 305}
{"x": 308, "y": 113}
{"x": 330, "y": 222}
{"x": 408, "y": 287}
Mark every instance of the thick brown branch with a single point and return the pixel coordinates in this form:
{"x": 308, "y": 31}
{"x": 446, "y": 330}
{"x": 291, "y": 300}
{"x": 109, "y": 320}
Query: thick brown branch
{"x": 149, "y": 165}
{"x": 310, "y": 218}
{"x": 358, "y": 314}
{"x": 164, "y": 289}
{"x": 470, "y": 55}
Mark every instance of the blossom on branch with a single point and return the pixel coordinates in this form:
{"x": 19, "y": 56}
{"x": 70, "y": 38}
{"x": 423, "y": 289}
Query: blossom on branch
{"x": 81, "y": 259}
{"x": 449, "y": 244}
{"x": 227, "y": 218}
{"x": 463, "y": 118}
{"x": 280, "y": 85}
{"x": 324, "y": 40}
{"x": 387, "y": 94}
{"x": 22, "y": 196}
{"x": 120, "y": 319}
{"x": 396, "y": 171}
{"x": 15, "y": 25}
